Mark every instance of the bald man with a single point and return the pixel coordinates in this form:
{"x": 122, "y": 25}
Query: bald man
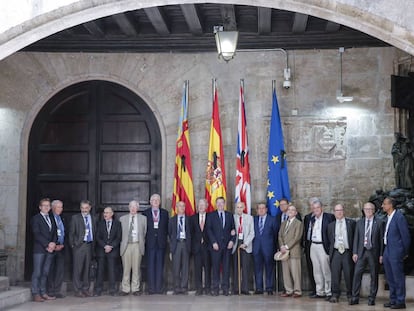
{"x": 108, "y": 239}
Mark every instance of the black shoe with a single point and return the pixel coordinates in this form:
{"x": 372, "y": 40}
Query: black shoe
{"x": 317, "y": 297}
{"x": 388, "y": 304}
{"x": 214, "y": 293}
{"x": 258, "y": 292}
{"x": 353, "y": 302}
{"x": 225, "y": 292}
{"x": 198, "y": 292}
{"x": 59, "y": 295}
{"x": 123, "y": 294}
{"x": 312, "y": 294}
{"x": 243, "y": 292}
{"x": 137, "y": 293}
{"x": 270, "y": 293}
{"x": 398, "y": 306}
{"x": 327, "y": 298}
{"x": 371, "y": 302}
{"x": 333, "y": 300}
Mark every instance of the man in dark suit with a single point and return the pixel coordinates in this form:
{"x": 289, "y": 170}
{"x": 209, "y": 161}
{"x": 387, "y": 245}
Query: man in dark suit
{"x": 341, "y": 239}
{"x": 155, "y": 244}
{"x": 55, "y": 278}
{"x": 44, "y": 243}
{"x": 319, "y": 251}
{"x": 179, "y": 232}
{"x": 307, "y": 241}
{"x": 264, "y": 245}
{"x": 367, "y": 249}
{"x": 222, "y": 236}
{"x": 108, "y": 239}
{"x": 81, "y": 239}
{"x": 200, "y": 249}
{"x": 397, "y": 245}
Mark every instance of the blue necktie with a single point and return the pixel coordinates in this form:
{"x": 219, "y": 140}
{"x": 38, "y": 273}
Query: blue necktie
{"x": 180, "y": 228}
{"x": 61, "y": 237}
{"x": 222, "y": 219}
{"x": 261, "y": 227}
{"x": 89, "y": 236}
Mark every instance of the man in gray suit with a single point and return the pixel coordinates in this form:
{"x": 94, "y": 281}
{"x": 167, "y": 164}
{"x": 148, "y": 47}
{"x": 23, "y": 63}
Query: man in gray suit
{"x": 81, "y": 240}
{"x": 245, "y": 235}
{"x": 134, "y": 229}
{"x": 290, "y": 236}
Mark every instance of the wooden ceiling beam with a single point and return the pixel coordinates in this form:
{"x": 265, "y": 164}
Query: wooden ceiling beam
{"x": 158, "y": 20}
{"x": 264, "y": 20}
{"x": 94, "y": 29}
{"x": 332, "y": 27}
{"x": 300, "y": 21}
{"x": 192, "y": 18}
{"x": 228, "y": 15}
{"x": 125, "y": 24}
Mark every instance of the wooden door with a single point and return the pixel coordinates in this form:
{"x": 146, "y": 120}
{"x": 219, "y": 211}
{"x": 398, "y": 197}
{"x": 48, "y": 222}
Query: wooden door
{"x": 94, "y": 140}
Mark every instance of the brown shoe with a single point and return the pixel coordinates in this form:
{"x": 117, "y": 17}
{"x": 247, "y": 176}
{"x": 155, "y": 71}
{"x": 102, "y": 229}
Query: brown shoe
{"x": 47, "y": 297}
{"x": 87, "y": 294}
{"x": 80, "y": 295}
{"x": 38, "y": 298}
{"x": 296, "y": 295}
{"x": 285, "y": 295}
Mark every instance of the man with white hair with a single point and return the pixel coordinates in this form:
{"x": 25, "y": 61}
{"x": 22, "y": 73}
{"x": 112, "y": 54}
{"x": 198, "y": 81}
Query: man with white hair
{"x": 134, "y": 229}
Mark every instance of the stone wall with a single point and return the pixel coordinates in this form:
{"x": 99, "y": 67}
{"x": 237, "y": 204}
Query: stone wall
{"x": 339, "y": 152}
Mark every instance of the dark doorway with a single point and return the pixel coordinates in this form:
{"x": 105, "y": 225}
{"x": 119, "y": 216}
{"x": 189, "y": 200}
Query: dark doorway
{"x": 94, "y": 140}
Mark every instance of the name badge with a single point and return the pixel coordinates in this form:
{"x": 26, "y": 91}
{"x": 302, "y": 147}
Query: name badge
{"x": 134, "y": 233}
{"x": 182, "y": 235}
{"x": 59, "y": 232}
{"x": 241, "y": 236}
{"x": 156, "y": 225}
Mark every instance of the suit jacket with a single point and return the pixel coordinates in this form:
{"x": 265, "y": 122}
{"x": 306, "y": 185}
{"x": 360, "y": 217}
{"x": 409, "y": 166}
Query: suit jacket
{"x": 327, "y": 218}
{"x": 172, "y": 232}
{"x": 103, "y": 238}
{"x": 350, "y": 229}
{"x": 42, "y": 234}
{"x": 377, "y": 234}
{"x": 267, "y": 241}
{"x": 196, "y": 234}
{"x": 52, "y": 217}
{"x": 248, "y": 231}
{"x": 215, "y": 231}
{"x": 156, "y": 238}
{"x": 292, "y": 238}
{"x": 141, "y": 232}
{"x": 398, "y": 237}
{"x": 77, "y": 230}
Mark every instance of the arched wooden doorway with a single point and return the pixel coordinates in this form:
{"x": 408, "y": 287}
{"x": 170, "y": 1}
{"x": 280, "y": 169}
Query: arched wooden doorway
{"x": 94, "y": 140}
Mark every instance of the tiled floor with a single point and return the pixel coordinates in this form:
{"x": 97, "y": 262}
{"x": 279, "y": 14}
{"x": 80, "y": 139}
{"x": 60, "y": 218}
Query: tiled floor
{"x": 199, "y": 303}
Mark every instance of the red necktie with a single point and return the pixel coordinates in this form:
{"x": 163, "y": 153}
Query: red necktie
{"x": 240, "y": 226}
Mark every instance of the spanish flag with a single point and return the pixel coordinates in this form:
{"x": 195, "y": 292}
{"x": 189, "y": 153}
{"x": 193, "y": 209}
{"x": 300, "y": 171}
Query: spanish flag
{"x": 215, "y": 173}
{"x": 183, "y": 175}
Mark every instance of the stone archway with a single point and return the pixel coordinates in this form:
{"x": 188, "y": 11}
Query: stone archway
{"x": 381, "y": 20}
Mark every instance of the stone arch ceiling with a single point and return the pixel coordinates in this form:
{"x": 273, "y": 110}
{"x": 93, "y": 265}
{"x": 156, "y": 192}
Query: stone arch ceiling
{"x": 22, "y": 24}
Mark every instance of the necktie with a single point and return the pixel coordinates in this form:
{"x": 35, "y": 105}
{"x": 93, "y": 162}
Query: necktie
{"x": 261, "y": 227}
{"x": 284, "y": 217}
{"x": 368, "y": 243}
{"x": 61, "y": 236}
{"x": 108, "y": 227}
{"x": 88, "y": 227}
{"x": 131, "y": 228}
{"x": 155, "y": 215}
{"x": 180, "y": 228}
{"x": 341, "y": 245}
{"x": 202, "y": 222}
{"x": 222, "y": 219}
{"x": 240, "y": 224}
{"x": 287, "y": 226}
{"x": 48, "y": 222}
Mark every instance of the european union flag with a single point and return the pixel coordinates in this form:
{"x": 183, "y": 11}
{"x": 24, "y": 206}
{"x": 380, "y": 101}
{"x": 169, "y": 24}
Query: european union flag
{"x": 278, "y": 180}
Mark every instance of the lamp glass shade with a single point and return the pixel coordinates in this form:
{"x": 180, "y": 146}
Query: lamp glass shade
{"x": 226, "y": 42}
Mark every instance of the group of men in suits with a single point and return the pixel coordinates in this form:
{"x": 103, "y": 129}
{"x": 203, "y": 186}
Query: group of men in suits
{"x": 221, "y": 243}
{"x": 338, "y": 245}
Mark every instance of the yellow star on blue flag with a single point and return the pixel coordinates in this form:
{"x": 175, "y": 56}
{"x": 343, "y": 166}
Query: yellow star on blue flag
{"x": 278, "y": 180}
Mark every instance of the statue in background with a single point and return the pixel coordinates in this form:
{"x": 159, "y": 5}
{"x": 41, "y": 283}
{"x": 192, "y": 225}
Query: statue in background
{"x": 402, "y": 153}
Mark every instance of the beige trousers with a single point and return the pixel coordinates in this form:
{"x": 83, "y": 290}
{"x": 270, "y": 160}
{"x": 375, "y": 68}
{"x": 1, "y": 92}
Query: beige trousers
{"x": 292, "y": 276}
{"x": 321, "y": 270}
{"x": 131, "y": 260}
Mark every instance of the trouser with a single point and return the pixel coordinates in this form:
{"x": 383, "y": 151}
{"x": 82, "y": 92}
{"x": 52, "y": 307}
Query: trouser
{"x": 202, "y": 259}
{"x": 310, "y": 267}
{"x": 292, "y": 277}
{"x": 82, "y": 256}
{"x": 220, "y": 258}
{"x": 394, "y": 273}
{"x": 321, "y": 269}
{"x": 131, "y": 262}
{"x": 245, "y": 262}
{"x": 41, "y": 268}
{"x": 267, "y": 262}
{"x": 155, "y": 270}
{"x": 180, "y": 262}
{"x": 106, "y": 263}
{"x": 342, "y": 263}
{"x": 368, "y": 258}
{"x": 56, "y": 273}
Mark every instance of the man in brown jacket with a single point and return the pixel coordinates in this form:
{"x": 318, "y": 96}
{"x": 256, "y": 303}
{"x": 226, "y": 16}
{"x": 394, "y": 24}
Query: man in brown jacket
{"x": 290, "y": 235}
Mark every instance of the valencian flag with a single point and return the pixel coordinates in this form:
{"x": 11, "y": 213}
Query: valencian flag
{"x": 183, "y": 175}
{"x": 215, "y": 174}
{"x": 278, "y": 180}
{"x": 242, "y": 190}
